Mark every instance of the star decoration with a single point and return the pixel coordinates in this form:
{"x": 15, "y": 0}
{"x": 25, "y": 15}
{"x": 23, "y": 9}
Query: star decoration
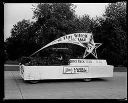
{"x": 91, "y": 48}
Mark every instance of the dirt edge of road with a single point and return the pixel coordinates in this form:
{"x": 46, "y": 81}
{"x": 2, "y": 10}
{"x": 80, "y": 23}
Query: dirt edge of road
{"x": 15, "y": 68}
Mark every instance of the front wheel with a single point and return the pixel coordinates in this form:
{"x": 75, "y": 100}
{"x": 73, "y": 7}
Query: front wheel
{"x": 87, "y": 79}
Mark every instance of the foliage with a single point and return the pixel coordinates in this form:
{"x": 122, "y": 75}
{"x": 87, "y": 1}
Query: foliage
{"x": 58, "y": 19}
{"x": 21, "y": 42}
{"x": 111, "y": 31}
{"x": 38, "y": 61}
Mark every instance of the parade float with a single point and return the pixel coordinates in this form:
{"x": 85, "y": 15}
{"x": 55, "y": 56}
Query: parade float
{"x": 33, "y": 70}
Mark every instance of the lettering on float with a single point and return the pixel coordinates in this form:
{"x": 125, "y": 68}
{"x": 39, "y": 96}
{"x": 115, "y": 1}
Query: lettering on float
{"x": 73, "y": 70}
{"x": 86, "y": 61}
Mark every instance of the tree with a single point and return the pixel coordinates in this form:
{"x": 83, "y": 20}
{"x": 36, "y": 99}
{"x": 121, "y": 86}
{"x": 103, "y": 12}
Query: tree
{"x": 82, "y": 24}
{"x": 117, "y": 12}
{"x": 53, "y": 19}
{"x": 112, "y": 31}
{"x": 21, "y": 42}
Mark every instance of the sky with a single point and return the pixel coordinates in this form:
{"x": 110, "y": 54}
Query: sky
{"x": 14, "y": 12}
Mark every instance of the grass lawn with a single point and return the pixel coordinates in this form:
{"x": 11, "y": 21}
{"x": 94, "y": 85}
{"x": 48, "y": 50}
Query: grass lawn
{"x": 12, "y": 62}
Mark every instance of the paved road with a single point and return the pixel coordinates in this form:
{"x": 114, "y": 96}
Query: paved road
{"x": 105, "y": 88}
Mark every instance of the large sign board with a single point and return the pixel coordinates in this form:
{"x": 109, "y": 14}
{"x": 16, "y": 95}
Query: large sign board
{"x": 82, "y": 39}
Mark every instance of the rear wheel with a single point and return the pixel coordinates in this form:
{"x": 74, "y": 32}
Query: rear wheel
{"x": 33, "y": 81}
{"x": 87, "y": 79}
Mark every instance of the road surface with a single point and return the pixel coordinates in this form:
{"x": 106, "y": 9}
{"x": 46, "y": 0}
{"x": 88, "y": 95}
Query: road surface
{"x": 103, "y": 88}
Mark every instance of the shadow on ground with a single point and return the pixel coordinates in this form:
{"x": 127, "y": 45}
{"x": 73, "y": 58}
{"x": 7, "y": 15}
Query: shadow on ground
{"x": 69, "y": 80}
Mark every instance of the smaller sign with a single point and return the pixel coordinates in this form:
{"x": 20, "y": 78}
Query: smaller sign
{"x": 88, "y": 62}
{"x": 74, "y": 70}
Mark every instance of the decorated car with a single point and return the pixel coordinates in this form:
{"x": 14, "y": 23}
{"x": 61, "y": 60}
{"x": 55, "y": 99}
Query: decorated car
{"x": 58, "y": 65}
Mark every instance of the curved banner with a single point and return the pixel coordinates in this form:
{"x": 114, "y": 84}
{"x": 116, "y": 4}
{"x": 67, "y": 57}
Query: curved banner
{"x": 75, "y": 38}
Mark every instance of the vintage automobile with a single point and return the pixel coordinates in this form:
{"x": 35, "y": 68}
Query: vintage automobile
{"x": 57, "y": 67}
{"x": 85, "y": 69}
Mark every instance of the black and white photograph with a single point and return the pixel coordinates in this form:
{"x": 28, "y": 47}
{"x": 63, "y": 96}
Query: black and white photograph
{"x": 65, "y": 51}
